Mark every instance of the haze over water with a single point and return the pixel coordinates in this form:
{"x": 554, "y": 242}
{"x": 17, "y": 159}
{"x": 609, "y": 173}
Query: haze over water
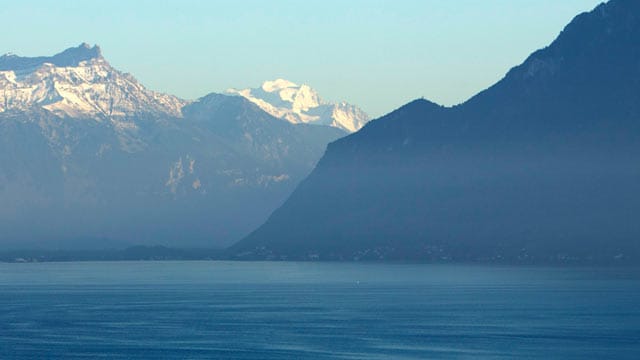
{"x": 273, "y": 310}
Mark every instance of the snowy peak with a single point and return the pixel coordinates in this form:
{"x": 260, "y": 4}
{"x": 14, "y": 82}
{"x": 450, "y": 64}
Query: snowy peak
{"x": 302, "y": 104}
{"x": 78, "y": 82}
{"x": 278, "y": 84}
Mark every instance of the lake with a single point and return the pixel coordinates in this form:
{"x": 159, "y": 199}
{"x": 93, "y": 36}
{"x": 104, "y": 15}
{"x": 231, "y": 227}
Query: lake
{"x": 288, "y": 310}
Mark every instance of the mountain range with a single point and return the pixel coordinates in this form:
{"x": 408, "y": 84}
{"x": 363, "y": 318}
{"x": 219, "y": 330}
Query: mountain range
{"x": 90, "y": 158}
{"x": 301, "y": 104}
{"x": 540, "y": 167}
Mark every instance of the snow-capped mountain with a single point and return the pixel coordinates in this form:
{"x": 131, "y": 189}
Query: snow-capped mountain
{"x": 302, "y": 104}
{"x": 87, "y": 153}
{"x": 78, "y": 82}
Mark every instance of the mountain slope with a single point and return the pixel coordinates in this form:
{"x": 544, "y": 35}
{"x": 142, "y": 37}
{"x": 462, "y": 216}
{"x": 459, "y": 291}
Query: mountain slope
{"x": 300, "y": 104}
{"x": 89, "y": 158}
{"x": 541, "y": 167}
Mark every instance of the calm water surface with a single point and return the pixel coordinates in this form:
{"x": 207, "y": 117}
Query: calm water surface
{"x": 263, "y": 310}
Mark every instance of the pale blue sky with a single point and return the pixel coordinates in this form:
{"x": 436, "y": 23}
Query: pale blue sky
{"x": 378, "y": 54}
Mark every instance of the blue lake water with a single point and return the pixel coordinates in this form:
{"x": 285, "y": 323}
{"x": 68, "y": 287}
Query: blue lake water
{"x": 276, "y": 310}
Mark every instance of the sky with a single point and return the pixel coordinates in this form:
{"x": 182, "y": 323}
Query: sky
{"x": 377, "y": 54}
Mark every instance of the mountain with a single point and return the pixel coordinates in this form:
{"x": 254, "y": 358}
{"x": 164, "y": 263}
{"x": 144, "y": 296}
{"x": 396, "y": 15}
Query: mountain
{"x": 89, "y": 158}
{"x": 300, "y": 104}
{"x": 78, "y": 82}
{"x": 541, "y": 167}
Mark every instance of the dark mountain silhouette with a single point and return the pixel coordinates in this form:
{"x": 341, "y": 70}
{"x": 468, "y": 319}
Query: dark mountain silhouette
{"x": 542, "y": 166}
